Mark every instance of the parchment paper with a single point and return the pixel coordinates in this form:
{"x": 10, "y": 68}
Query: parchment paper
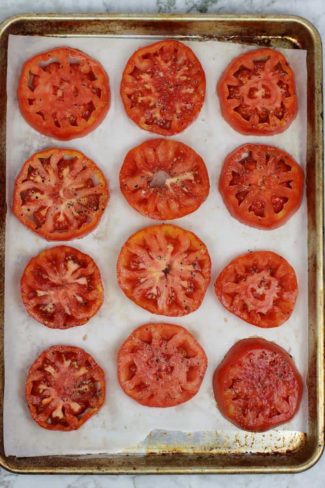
{"x": 122, "y": 423}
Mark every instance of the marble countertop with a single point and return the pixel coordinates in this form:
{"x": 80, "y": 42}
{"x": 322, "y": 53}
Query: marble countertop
{"x": 314, "y": 10}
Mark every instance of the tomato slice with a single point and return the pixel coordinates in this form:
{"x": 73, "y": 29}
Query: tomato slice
{"x": 163, "y": 87}
{"x": 64, "y": 388}
{"x": 63, "y": 93}
{"x": 262, "y": 186}
{"x": 257, "y": 93}
{"x": 257, "y": 385}
{"x": 259, "y": 287}
{"x": 164, "y": 179}
{"x": 161, "y": 365}
{"x": 61, "y": 287}
{"x": 165, "y": 270}
{"x": 60, "y": 194}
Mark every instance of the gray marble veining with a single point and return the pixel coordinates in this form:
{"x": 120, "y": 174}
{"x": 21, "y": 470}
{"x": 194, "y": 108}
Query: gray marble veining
{"x": 314, "y": 10}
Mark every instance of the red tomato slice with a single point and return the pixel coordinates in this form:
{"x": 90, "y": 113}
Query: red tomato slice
{"x": 164, "y": 179}
{"x": 259, "y": 287}
{"x": 163, "y": 87}
{"x": 262, "y": 186}
{"x": 257, "y": 385}
{"x": 60, "y": 194}
{"x": 161, "y": 365}
{"x": 257, "y": 93}
{"x": 63, "y": 93}
{"x": 64, "y": 388}
{"x": 61, "y": 287}
{"x": 165, "y": 270}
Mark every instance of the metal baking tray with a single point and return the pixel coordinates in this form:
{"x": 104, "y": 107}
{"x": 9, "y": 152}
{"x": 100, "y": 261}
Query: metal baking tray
{"x": 273, "y": 451}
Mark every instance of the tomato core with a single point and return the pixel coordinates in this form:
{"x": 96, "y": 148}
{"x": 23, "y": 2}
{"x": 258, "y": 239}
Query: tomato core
{"x": 159, "y": 179}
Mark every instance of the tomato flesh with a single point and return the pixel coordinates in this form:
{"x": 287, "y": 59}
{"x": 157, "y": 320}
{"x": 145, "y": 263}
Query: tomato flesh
{"x": 161, "y": 365}
{"x": 64, "y": 388}
{"x": 61, "y": 287}
{"x": 257, "y": 385}
{"x": 262, "y": 186}
{"x": 259, "y": 287}
{"x": 257, "y": 93}
{"x": 60, "y": 194}
{"x": 63, "y": 93}
{"x": 164, "y": 179}
{"x": 163, "y": 87}
{"x": 164, "y": 269}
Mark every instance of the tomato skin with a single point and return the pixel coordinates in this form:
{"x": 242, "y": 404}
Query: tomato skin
{"x": 275, "y": 184}
{"x": 42, "y": 185}
{"x": 61, "y": 287}
{"x": 163, "y": 87}
{"x": 241, "y": 103}
{"x": 259, "y": 287}
{"x": 185, "y": 189}
{"x": 268, "y": 387}
{"x": 161, "y": 365}
{"x": 164, "y": 269}
{"x": 72, "y": 97}
{"x": 73, "y": 388}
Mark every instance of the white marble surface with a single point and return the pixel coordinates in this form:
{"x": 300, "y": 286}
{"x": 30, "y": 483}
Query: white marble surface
{"x": 314, "y": 10}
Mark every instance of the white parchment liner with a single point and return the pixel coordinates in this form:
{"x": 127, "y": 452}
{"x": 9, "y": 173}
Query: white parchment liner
{"x": 122, "y": 423}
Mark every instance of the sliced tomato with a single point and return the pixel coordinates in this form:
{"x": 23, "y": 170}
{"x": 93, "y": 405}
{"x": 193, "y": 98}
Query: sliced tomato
{"x": 161, "y": 365}
{"x": 60, "y": 194}
{"x": 164, "y": 269}
{"x": 163, "y": 87}
{"x": 61, "y": 287}
{"x": 64, "y": 388}
{"x": 259, "y": 287}
{"x": 257, "y": 385}
{"x": 63, "y": 93}
{"x": 257, "y": 93}
{"x": 262, "y": 186}
{"x": 164, "y": 179}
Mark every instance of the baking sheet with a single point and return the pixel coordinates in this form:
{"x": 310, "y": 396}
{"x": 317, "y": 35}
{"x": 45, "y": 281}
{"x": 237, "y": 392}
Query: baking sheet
{"x": 122, "y": 423}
